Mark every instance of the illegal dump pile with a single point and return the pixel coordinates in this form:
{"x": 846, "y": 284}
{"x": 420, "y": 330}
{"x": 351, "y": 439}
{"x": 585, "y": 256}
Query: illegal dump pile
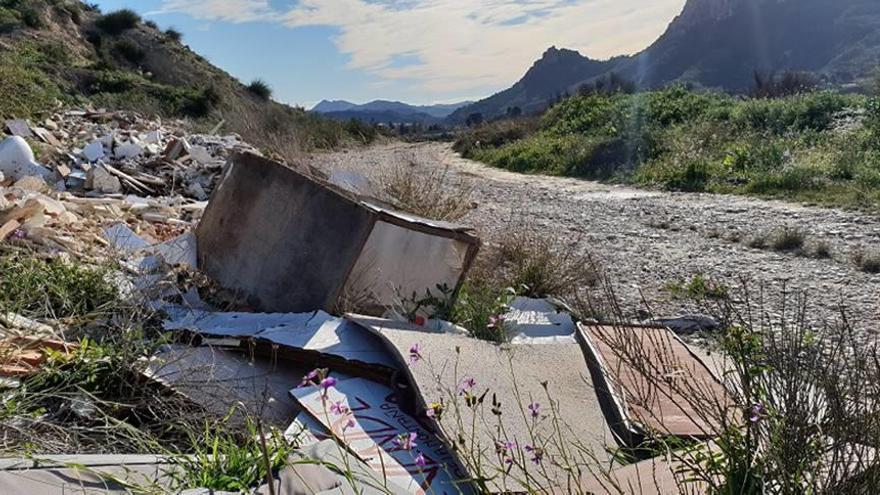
{"x": 284, "y": 337}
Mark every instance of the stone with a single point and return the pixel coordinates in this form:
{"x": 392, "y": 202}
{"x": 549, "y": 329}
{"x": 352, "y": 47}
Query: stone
{"x": 201, "y": 155}
{"x": 128, "y": 150}
{"x": 17, "y": 159}
{"x": 93, "y": 151}
{"x": 100, "y": 180}
{"x": 19, "y": 128}
{"x": 32, "y": 183}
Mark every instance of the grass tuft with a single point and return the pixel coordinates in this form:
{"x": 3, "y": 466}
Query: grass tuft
{"x": 788, "y": 239}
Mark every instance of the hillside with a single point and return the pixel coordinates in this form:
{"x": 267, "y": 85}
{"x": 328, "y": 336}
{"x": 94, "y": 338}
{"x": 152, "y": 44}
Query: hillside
{"x": 718, "y": 44}
{"x": 66, "y": 52}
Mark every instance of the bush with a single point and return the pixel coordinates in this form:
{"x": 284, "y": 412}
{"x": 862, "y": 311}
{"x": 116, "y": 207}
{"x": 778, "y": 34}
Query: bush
{"x": 118, "y": 22}
{"x": 32, "y": 17}
{"x": 789, "y": 239}
{"x": 10, "y": 20}
{"x": 130, "y": 51}
{"x": 174, "y": 35}
{"x": 151, "y": 24}
{"x": 260, "y": 89}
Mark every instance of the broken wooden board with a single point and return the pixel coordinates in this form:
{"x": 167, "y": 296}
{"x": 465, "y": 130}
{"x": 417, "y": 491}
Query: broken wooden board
{"x": 658, "y": 396}
{"x": 378, "y": 422}
{"x": 515, "y": 375}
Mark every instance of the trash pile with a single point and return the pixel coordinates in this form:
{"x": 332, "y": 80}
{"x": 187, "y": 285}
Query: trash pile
{"x": 307, "y": 262}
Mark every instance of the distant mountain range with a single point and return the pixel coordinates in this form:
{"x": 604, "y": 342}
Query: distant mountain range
{"x": 715, "y": 44}
{"x": 381, "y": 111}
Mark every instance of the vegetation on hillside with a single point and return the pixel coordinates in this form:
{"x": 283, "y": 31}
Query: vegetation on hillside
{"x": 63, "y": 52}
{"x": 812, "y": 146}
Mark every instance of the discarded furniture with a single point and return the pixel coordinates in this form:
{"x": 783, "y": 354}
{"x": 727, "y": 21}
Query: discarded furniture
{"x": 292, "y": 242}
{"x": 650, "y": 383}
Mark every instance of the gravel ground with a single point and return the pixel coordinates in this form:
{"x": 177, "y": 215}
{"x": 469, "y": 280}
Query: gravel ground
{"x": 646, "y": 240}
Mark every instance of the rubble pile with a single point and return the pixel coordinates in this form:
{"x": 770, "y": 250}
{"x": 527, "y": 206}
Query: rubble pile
{"x": 64, "y": 179}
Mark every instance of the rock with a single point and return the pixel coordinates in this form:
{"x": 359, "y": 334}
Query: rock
{"x": 100, "y": 180}
{"x": 175, "y": 149}
{"x": 153, "y": 137}
{"x": 128, "y": 150}
{"x": 201, "y": 155}
{"x": 32, "y": 183}
{"x": 93, "y": 151}
{"x": 19, "y": 128}
{"x": 17, "y": 159}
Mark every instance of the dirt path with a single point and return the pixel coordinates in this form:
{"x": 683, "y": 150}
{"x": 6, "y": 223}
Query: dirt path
{"x": 647, "y": 239}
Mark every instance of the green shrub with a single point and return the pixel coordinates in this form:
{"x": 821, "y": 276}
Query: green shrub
{"x": 24, "y": 89}
{"x": 789, "y": 239}
{"x": 118, "y": 22}
{"x": 10, "y": 20}
{"x": 260, "y": 89}
{"x": 130, "y": 51}
{"x": 32, "y": 17}
{"x": 174, "y": 35}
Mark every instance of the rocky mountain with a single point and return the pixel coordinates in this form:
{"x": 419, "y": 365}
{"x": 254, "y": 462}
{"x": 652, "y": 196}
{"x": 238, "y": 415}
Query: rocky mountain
{"x": 718, "y": 44}
{"x": 387, "y": 111}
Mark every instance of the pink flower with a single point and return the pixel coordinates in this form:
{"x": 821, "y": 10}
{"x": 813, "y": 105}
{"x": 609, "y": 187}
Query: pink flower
{"x": 309, "y": 379}
{"x": 328, "y": 382}
{"x": 349, "y": 424}
{"x": 420, "y": 461}
{"x": 415, "y": 353}
{"x": 406, "y": 441}
{"x": 757, "y": 413}
{"x": 339, "y": 408}
{"x": 466, "y": 386}
{"x": 535, "y": 408}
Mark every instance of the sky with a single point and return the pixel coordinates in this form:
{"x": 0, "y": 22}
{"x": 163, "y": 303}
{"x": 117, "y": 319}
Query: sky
{"x": 417, "y": 51}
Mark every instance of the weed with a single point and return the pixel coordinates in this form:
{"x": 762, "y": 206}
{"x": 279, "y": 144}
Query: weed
{"x": 699, "y": 287}
{"x": 788, "y": 239}
{"x": 822, "y": 249}
{"x": 427, "y": 191}
{"x": 53, "y": 287}
{"x": 868, "y": 262}
{"x": 758, "y": 241}
{"x": 480, "y": 308}
{"x": 260, "y": 89}
{"x": 223, "y": 459}
{"x": 118, "y": 22}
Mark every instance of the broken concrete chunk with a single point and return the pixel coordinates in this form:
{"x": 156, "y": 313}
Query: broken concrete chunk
{"x": 538, "y": 321}
{"x": 19, "y": 128}
{"x": 93, "y": 151}
{"x": 100, "y": 180}
{"x": 201, "y": 155}
{"x": 33, "y": 183}
{"x": 128, "y": 150}
{"x": 153, "y": 137}
{"x": 17, "y": 159}
{"x": 174, "y": 149}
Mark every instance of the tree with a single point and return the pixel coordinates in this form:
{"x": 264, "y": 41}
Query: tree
{"x": 514, "y": 112}
{"x": 474, "y": 119}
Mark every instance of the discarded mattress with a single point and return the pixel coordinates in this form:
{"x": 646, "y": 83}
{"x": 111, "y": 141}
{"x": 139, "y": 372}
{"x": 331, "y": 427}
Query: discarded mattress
{"x": 514, "y": 375}
{"x": 291, "y": 242}
{"x": 639, "y": 408}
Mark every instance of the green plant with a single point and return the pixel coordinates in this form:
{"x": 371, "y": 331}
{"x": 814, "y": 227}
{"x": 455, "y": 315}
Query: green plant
{"x": 174, "y": 35}
{"x": 225, "y": 460}
{"x": 130, "y": 51}
{"x": 480, "y": 308}
{"x": 260, "y": 88}
{"x": 822, "y": 249}
{"x": 868, "y": 262}
{"x": 52, "y": 287}
{"x": 699, "y": 287}
{"x": 118, "y": 22}
{"x": 788, "y": 239}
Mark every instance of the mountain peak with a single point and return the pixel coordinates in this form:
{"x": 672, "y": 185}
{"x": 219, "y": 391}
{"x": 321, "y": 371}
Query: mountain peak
{"x": 701, "y": 11}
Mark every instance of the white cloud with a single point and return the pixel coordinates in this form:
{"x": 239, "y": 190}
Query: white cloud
{"x": 458, "y": 45}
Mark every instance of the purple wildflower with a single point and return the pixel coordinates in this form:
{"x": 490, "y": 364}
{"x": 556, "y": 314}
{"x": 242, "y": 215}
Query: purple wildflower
{"x": 339, "y": 408}
{"x": 406, "y": 441}
{"x": 466, "y": 386}
{"x": 415, "y": 353}
{"x": 420, "y": 461}
{"x": 537, "y": 453}
{"x": 309, "y": 379}
{"x": 328, "y": 382}
{"x": 19, "y": 234}
{"x": 535, "y": 408}
{"x": 757, "y": 412}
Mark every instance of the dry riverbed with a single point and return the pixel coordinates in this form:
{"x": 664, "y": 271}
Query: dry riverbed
{"x": 647, "y": 240}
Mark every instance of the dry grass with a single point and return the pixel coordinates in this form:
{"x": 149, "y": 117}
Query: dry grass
{"x": 427, "y": 191}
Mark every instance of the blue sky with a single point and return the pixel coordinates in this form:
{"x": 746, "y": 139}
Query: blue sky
{"x": 418, "y": 51}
